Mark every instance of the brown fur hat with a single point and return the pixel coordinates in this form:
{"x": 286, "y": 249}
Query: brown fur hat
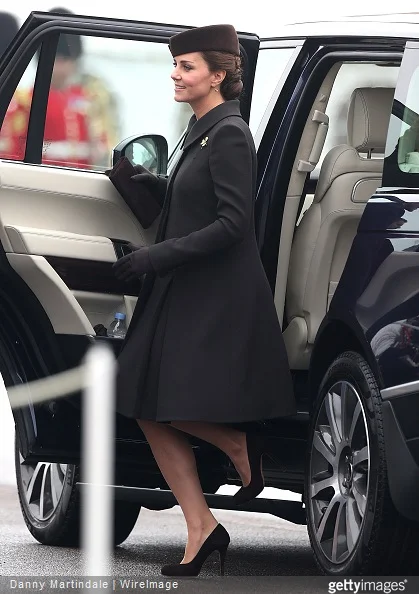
{"x": 219, "y": 38}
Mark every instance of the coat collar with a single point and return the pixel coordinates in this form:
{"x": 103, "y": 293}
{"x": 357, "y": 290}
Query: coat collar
{"x": 197, "y": 128}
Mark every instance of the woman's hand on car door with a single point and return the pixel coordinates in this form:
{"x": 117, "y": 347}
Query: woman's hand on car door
{"x": 133, "y": 265}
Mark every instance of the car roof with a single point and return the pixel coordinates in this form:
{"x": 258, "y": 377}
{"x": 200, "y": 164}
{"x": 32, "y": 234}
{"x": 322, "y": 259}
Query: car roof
{"x": 407, "y": 27}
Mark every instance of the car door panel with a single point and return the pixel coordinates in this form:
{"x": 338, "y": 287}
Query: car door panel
{"x": 62, "y": 309}
{"x": 59, "y": 199}
{"x": 58, "y": 229}
{"x": 48, "y": 242}
{"x": 38, "y": 224}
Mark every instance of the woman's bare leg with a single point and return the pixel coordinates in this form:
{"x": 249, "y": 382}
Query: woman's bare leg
{"x": 176, "y": 460}
{"x": 231, "y": 441}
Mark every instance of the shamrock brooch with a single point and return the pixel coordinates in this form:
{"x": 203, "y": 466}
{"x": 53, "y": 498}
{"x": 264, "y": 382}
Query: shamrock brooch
{"x": 204, "y": 142}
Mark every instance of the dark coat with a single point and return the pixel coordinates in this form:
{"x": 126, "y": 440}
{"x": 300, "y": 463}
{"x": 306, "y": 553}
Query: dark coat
{"x": 205, "y": 343}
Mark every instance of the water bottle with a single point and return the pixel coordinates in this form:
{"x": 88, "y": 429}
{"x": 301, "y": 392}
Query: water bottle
{"x": 118, "y": 328}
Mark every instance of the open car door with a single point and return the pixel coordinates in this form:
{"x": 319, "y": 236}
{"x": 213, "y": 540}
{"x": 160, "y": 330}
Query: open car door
{"x": 62, "y": 223}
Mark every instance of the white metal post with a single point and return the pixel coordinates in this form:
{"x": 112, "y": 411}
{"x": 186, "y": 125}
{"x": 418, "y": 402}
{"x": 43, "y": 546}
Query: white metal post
{"x": 98, "y": 460}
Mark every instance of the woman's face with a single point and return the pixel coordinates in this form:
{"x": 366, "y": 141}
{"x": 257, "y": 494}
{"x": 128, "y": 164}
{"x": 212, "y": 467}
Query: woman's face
{"x": 192, "y": 78}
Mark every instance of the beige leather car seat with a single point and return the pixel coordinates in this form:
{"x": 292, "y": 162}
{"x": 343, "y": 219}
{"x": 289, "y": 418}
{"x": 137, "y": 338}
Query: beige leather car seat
{"x": 324, "y": 236}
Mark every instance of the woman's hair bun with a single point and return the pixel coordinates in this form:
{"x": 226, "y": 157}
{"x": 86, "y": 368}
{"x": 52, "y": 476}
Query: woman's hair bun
{"x": 232, "y": 85}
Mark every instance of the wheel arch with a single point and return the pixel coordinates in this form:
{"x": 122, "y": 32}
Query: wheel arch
{"x": 385, "y": 539}
{"x": 336, "y": 337}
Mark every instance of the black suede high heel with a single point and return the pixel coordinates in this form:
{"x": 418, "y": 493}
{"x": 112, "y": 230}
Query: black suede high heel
{"x": 218, "y": 540}
{"x": 255, "y": 449}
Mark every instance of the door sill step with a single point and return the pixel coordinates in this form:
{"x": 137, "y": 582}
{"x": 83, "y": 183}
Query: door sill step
{"x": 293, "y": 511}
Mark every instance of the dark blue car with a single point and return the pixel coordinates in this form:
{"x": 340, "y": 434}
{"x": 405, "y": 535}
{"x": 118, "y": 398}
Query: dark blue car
{"x": 334, "y": 108}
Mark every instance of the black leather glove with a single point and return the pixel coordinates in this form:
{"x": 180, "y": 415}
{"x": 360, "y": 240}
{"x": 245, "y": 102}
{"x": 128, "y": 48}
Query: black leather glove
{"x": 144, "y": 176}
{"x": 133, "y": 265}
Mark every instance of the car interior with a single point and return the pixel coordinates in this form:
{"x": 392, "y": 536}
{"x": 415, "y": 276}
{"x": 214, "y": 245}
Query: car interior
{"x": 345, "y": 170}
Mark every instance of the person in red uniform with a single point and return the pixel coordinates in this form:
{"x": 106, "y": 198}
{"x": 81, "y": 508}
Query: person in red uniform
{"x": 67, "y": 139}
{"x": 66, "y": 135}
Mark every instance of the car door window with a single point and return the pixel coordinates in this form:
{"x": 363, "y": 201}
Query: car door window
{"x": 117, "y": 86}
{"x": 102, "y": 91}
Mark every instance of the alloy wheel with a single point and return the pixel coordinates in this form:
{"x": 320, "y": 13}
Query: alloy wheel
{"x": 42, "y": 485}
{"x": 339, "y": 472}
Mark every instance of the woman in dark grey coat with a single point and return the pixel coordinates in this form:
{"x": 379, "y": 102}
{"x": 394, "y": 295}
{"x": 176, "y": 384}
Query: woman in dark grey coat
{"x": 204, "y": 349}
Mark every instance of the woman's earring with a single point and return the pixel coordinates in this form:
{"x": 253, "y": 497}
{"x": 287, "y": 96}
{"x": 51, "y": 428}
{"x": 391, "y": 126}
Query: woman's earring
{"x": 216, "y": 90}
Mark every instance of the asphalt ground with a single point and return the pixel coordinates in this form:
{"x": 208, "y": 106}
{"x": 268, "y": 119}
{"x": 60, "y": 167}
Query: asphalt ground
{"x": 261, "y": 545}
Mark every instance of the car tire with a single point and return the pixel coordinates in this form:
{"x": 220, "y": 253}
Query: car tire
{"x": 353, "y": 526}
{"x": 51, "y": 503}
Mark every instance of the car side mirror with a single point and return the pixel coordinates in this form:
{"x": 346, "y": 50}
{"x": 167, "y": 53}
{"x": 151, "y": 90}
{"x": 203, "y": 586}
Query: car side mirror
{"x": 150, "y": 151}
